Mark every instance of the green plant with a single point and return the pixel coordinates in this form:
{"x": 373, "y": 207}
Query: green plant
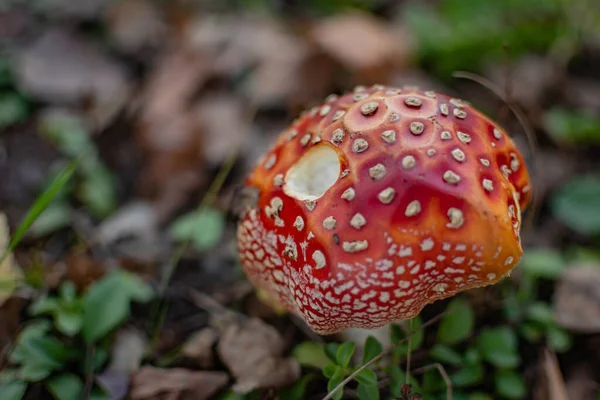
{"x": 95, "y": 185}
{"x": 534, "y": 317}
{"x": 60, "y": 352}
{"x": 471, "y": 363}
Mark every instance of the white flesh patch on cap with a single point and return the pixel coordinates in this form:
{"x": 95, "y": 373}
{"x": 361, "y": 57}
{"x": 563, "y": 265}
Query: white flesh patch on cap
{"x": 314, "y": 173}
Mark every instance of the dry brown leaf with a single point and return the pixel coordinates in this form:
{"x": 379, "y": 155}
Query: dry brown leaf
{"x": 169, "y": 132}
{"x": 279, "y": 59}
{"x": 10, "y": 272}
{"x": 224, "y": 126}
{"x": 551, "y": 384}
{"x": 61, "y": 67}
{"x": 363, "y": 44}
{"x": 127, "y": 351}
{"x": 135, "y": 25}
{"x": 580, "y": 382}
{"x": 9, "y": 328}
{"x": 252, "y": 351}
{"x": 199, "y": 346}
{"x": 173, "y": 384}
{"x": 82, "y": 269}
{"x": 577, "y": 299}
{"x": 530, "y": 77}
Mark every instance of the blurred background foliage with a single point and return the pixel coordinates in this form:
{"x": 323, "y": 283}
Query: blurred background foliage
{"x": 127, "y": 125}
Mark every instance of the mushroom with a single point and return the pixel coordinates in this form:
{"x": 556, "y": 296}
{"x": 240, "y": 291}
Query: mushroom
{"x": 379, "y": 202}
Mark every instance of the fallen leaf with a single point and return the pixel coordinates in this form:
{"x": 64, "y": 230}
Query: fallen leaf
{"x": 224, "y": 126}
{"x": 169, "y": 132}
{"x": 135, "y": 25}
{"x": 150, "y": 382}
{"x": 199, "y": 346}
{"x": 280, "y": 62}
{"x": 363, "y": 44}
{"x": 10, "y": 272}
{"x": 9, "y": 328}
{"x": 114, "y": 383}
{"x": 127, "y": 351}
{"x": 577, "y": 299}
{"x": 551, "y": 385}
{"x": 133, "y": 232}
{"x": 252, "y": 350}
{"x": 62, "y": 67}
{"x": 82, "y": 269}
{"x": 580, "y": 382}
{"x": 530, "y": 78}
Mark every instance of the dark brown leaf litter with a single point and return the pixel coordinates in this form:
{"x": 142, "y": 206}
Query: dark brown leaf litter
{"x": 176, "y": 384}
{"x": 368, "y": 47}
{"x": 199, "y": 347}
{"x": 136, "y": 26}
{"x": 61, "y": 67}
{"x": 577, "y": 299}
{"x": 252, "y": 351}
{"x": 169, "y": 133}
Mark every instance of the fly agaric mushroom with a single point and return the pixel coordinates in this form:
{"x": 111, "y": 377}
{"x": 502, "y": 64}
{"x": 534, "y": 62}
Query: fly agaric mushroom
{"x": 380, "y": 201}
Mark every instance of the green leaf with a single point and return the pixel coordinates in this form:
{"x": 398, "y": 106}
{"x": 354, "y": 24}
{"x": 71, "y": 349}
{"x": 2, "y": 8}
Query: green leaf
{"x": 34, "y": 372}
{"x": 45, "y": 351}
{"x": 397, "y": 379}
{"x": 44, "y": 305}
{"x": 467, "y": 376}
{"x": 445, "y": 354}
{"x": 559, "y": 339}
{"x": 13, "y": 109}
{"x": 531, "y": 331}
{"x": 310, "y": 354}
{"x": 457, "y": 324}
{"x": 479, "y": 396}
{"x": 572, "y": 127}
{"x": 68, "y": 133}
{"x": 13, "y": 390}
{"x": 498, "y": 346}
{"x": 98, "y": 191}
{"x": 433, "y": 382}
{"x": 40, "y": 204}
{"x": 367, "y": 377}
{"x": 542, "y": 263}
{"x": 65, "y": 387}
{"x": 204, "y": 228}
{"x": 472, "y": 356}
{"x": 398, "y": 334}
{"x": 69, "y": 322}
{"x": 296, "y": 391}
{"x": 331, "y": 350}
{"x": 56, "y": 216}
{"x": 344, "y": 353}
{"x": 576, "y": 205}
{"x": 367, "y": 392}
{"x": 329, "y": 370}
{"x": 510, "y": 385}
{"x": 541, "y": 313}
{"x": 372, "y": 349}
{"x": 334, "y": 381}
{"x": 67, "y": 292}
{"x": 106, "y": 303}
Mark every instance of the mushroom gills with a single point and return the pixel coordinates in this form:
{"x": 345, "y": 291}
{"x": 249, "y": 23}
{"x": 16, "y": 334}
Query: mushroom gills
{"x": 314, "y": 173}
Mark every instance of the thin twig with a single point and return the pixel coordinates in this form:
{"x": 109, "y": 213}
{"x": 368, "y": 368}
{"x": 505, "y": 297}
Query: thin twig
{"x": 443, "y": 374}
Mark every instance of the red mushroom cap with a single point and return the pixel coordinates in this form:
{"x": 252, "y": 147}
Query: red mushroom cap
{"x": 379, "y": 202}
